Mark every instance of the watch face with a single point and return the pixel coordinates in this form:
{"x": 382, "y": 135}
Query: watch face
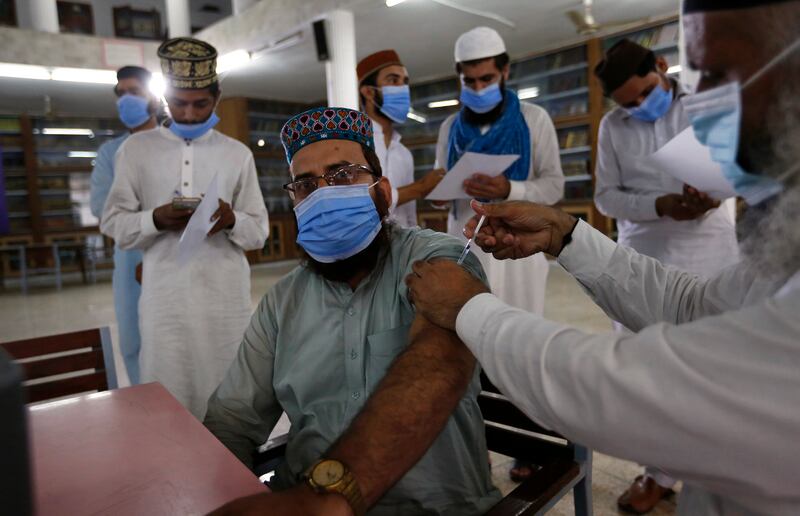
{"x": 327, "y": 473}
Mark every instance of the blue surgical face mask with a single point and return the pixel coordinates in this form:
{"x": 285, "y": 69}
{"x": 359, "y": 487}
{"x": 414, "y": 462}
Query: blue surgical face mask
{"x": 654, "y": 106}
{"x": 337, "y": 222}
{"x": 133, "y": 110}
{"x": 716, "y": 116}
{"x": 194, "y": 131}
{"x": 396, "y": 103}
{"x": 482, "y": 101}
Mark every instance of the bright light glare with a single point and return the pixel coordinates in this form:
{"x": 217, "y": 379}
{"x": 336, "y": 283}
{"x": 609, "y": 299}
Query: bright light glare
{"x": 674, "y": 69}
{"x": 417, "y": 117}
{"x": 23, "y": 71}
{"x": 67, "y": 131}
{"x": 232, "y": 60}
{"x": 84, "y": 75}
{"x": 157, "y": 85}
{"x": 261, "y": 143}
{"x": 392, "y": 3}
{"x": 443, "y": 103}
{"x": 82, "y": 154}
{"x": 528, "y": 93}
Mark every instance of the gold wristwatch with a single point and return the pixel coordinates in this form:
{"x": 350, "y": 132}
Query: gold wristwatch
{"x": 331, "y": 476}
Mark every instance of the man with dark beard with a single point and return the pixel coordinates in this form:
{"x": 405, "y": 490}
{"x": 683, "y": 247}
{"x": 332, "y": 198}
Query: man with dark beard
{"x": 725, "y": 349}
{"x": 367, "y": 385}
{"x": 492, "y": 120}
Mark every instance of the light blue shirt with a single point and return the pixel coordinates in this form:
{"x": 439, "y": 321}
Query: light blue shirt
{"x": 126, "y": 289}
{"x": 317, "y": 350}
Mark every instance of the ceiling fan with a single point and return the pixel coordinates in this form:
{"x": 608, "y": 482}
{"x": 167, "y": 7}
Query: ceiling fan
{"x": 585, "y": 23}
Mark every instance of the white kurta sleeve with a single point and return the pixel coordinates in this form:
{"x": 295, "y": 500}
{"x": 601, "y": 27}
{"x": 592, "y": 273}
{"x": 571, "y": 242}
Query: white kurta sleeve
{"x": 695, "y": 400}
{"x": 545, "y": 184}
{"x": 637, "y": 290}
{"x": 251, "y": 228}
{"x": 441, "y": 156}
{"x": 610, "y": 196}
{"x": 123, "y": 219}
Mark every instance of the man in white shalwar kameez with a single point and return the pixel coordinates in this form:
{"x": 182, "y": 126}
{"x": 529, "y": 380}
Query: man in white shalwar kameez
{"x": 483, "y": 64}
{"x": 192, "y": 314}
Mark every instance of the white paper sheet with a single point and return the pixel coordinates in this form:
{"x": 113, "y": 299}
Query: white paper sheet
{"x": 452, "y": 186}
{"x": 195, "y": 233}
{"x": 689, "y": 161}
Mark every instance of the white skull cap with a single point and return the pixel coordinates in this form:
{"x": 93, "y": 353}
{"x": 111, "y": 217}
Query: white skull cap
{"x": 479, "y": 43}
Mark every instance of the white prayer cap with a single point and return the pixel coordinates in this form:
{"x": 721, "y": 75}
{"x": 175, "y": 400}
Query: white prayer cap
{"x": 479, "y": 43}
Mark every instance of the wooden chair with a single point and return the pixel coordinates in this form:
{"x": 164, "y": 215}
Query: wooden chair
{"x": 559, "y": 466}
{"x": 46, "y": 362}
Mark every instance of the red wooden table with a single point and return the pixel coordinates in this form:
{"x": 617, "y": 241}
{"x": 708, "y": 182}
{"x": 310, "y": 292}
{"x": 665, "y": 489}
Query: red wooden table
{"x": 131, "y": 451}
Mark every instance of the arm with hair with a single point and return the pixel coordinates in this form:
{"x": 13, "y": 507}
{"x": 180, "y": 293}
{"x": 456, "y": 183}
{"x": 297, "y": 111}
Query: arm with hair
{"x": 390, "y": 434}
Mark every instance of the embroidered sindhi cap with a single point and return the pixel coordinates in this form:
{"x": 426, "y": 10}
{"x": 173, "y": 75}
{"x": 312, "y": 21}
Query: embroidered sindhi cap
{"x": 325, "y": 123}
{"x": 188, "y": 63}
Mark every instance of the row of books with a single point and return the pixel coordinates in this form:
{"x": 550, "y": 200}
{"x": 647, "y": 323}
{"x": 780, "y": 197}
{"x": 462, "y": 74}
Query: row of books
{"x": 566, "y": 107}
{"x": 573, "y": 137}
{"x": 576, "y": 167}
{"x": 655, "y": 37}
{"x": 549, "y": 62}
{"x": 266, "y": 124}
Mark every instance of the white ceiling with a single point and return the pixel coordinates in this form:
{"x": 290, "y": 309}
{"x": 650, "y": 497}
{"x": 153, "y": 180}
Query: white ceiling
{"x": 422, "y": 31}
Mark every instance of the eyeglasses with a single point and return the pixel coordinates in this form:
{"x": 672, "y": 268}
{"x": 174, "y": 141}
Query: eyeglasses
{"x": 342, "y": 176}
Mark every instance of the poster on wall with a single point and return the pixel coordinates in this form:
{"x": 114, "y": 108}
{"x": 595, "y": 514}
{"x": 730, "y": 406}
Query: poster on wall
{"x": 4, "y": 224}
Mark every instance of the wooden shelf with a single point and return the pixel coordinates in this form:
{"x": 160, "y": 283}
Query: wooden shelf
{"x": 575, "y": 150}
{"x": 64, "y": 169}
{"x": 571, "y": 121}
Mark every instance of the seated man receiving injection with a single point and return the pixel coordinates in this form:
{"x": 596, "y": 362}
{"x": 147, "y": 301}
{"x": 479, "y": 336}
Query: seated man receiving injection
{"x": 383, "y": 405}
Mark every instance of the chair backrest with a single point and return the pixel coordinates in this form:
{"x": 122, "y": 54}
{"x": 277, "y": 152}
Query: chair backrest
{"x": 70, "y": 363}
{"x": 558, "y": 465}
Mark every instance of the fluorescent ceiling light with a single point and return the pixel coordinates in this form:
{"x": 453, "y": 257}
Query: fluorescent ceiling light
{"x": 157, "y": 85}
{"x": 84, "y": 75}
{"x": 232, "y": 60}
{"x": 443, "y": 103}
{"x": 674, "y": 69}
{"x": 528, "y": 93}
{"x": 392, "y": 3}
{"x": 417, "y": 117}
{"x": 23, "y": 71}
{"x": 67, "y": 131}
{"x": 82, "y": 154}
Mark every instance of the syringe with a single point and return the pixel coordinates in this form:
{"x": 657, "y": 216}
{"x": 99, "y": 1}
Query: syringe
{"x": 469, "y": 242}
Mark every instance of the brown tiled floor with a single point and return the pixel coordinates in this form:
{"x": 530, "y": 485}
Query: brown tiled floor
{"x": 46, "y": 311}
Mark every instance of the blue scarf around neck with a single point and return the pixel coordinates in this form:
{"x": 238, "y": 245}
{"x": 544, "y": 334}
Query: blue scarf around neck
{"x": 509, "y": 134}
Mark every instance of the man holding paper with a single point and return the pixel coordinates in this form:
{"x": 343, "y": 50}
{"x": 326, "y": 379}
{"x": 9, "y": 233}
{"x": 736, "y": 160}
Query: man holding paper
{"x": 656, "y": 215}
{"x": 195, "y": 302}
{"x": 493, "y": 121}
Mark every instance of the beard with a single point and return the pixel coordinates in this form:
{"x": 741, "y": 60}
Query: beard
{"x": 770, "y": 232}
{"x": 479, "y": 119}
{"x": 367, "y": 260}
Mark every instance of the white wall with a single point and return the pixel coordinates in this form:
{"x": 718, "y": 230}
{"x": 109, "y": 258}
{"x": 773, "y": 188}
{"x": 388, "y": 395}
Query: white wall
{"x": 103, "y": 13}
